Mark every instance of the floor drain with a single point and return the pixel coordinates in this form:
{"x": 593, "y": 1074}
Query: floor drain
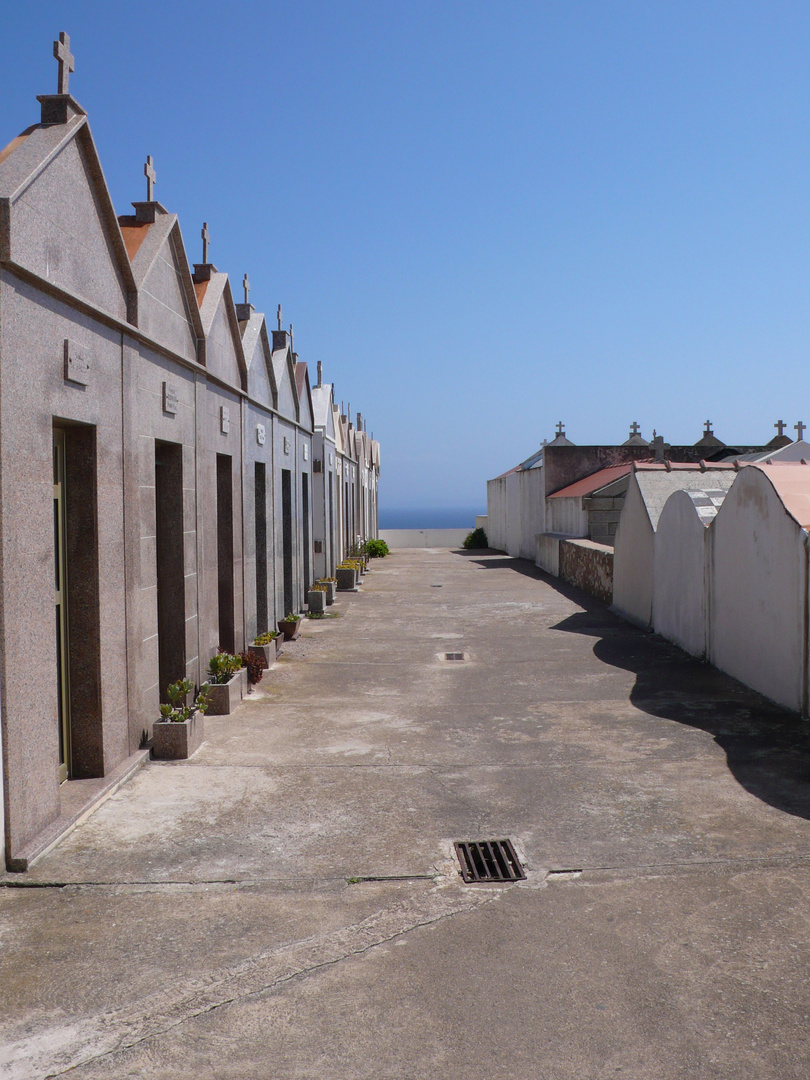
{"x": 454, "y": 656}
{"x": 489, "y": 860}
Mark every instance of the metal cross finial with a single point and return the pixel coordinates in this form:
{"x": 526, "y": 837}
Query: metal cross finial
{"x": 635, "y": 428}
{"x": 708, "y": 430}
{"x": 560, "y": 428}
{"x": 151, "y": 177}
{"x": 62, "y": 53}
{"x": 279, "y": 316}
{"x": 800, "y": 427}
{"x": 206, "y": 236}
{"x": 246, "y": 287}
{"x": 780, "y": 426}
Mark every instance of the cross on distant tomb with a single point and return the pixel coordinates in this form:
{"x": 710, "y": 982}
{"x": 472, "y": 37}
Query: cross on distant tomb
{"x": 635, "y": 428}
{"x": 800, "y": 427}
{"x": 62, "y": 53}
{"x": 279, "y": 316}
{"x": 560, "y": 428}
{"x": 708, "y": 430}
{"x": 246, "y": 287}
{"x": 780, "y": 426}
{"x": 151, "y": 177}
{"x": 206, "y": 236}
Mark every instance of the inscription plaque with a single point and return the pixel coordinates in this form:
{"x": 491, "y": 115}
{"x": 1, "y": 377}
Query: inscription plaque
{"x": 261, "y": 434}
{"x": 77, "y": 364}
{"x": 286, "y": 444}
{"x": 224, "y": 419}
{"x": 170, "y": 399}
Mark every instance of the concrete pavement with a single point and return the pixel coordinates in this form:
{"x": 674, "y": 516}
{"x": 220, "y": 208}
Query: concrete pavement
{"x": 286, "y": 903}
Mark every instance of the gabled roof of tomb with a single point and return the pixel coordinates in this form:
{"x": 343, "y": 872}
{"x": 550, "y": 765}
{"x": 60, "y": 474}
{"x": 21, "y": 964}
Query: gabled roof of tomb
{"x": 322, "y": 412}
{"x": 259, "y": 359}
{"x": 284, "y": 370}
{"x": 706, "y": 503}
{"x": 43, "y": 173}
{"x": 220, "y": 325}
{"x": 149, "y": 242}
{"x": 656, "y": 483}
{"x": 791, "y": 482}
{"x": 305, "y": 414}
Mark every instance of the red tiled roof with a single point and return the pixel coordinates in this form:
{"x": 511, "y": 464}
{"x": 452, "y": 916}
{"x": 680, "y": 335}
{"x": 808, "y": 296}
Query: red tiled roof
{"x": 133, "y": 234}
{"x": 591, "y": 483}
{"x": 791, "y": 481}
{"x": 200, "y": 288}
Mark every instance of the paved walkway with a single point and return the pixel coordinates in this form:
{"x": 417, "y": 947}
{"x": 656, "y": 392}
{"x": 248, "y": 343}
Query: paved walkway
{"x": 286, "y": 904}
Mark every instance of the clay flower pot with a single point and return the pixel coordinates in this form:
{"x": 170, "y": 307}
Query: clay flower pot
{"x": 289, "y": 628}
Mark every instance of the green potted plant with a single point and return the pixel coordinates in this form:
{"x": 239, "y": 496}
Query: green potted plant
{"x": 376, "y": 549}
{"x": 228, "y": 683}
{"x": 268, "y": 645}
{"x": 289, "y": 626}
{"x": 179, "y": 731}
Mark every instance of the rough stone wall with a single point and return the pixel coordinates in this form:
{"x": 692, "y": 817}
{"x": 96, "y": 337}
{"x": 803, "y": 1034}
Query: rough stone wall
{"x": 589, "y": 566}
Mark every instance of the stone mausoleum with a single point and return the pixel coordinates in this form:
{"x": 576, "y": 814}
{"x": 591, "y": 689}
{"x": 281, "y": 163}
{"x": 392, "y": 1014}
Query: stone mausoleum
{"x": 162, "y": 467}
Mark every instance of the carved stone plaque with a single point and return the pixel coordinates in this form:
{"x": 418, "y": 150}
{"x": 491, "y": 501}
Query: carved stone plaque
{"x": 306, "y": 451}
{"x": 170, "y": 398}
{"x": 224, "y": 419}
{"x": 286, "y": 444}
{"x": 261, "y": 434}
{"x": 77, "y": 364}
{"x": 330, "y": 459}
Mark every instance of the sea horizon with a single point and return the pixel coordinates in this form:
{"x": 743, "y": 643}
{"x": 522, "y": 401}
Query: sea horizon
{"x": 430, "y": 518}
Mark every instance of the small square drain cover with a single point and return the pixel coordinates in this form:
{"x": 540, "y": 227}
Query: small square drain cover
{"x": 489, "y": 860}
{"x": 454, "y": 656}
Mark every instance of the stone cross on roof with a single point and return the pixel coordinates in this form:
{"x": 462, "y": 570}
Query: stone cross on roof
{"x": 800, "y": 427}
{"x": 62, "y": 53}
{"x": 560, "y": 428}
{"x": 279, "y": 316}
{"x": 246, "y": 287}
{"x": 635, "y": 428}
{"x": 708, "y": 430}
{"x": 206, "y": 236}
{"x": 151, "y": 177}
{"x": 292, "y": 349}
{"x": 780, "y": 426}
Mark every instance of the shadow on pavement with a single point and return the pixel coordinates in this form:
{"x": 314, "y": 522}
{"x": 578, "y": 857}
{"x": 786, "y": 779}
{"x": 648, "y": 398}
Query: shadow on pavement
{"x": 767, "y": 748}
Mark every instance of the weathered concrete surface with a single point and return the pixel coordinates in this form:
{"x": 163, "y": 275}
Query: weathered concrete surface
{"x": 207, "y": 922}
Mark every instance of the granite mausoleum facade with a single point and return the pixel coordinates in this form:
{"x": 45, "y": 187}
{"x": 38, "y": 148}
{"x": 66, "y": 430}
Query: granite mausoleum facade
{"x": 167, "y": 485}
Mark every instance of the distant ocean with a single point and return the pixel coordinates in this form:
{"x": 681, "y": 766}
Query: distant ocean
{"x": 454, "y": 518}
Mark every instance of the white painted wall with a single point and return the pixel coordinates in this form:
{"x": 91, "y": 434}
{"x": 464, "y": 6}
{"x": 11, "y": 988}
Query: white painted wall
{"x": 633, "y": 560}
{"x": 758, "y": 592}
{"x": 516, "y": 512}
{"x": 566, "y": 515}
{"x": 680, "y": 575}
{"x": 424, "y": 538}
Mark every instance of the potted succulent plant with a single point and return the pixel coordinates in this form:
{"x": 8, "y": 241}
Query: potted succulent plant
{"x": 180, "y": 731}
{"x": 289, "y": 626}
{"x": 268, "y": 645}
{"x": 228, "y": 683}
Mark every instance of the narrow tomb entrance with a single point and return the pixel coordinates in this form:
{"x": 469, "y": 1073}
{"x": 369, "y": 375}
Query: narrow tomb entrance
{"x": 225, "y": 583}
{"x": 287, "y": 538}
{"x": 76, "y": 603}
{"x": 305, "y": 513}
{"x": 171, "y": 585}
{"x": 260, "y": 497}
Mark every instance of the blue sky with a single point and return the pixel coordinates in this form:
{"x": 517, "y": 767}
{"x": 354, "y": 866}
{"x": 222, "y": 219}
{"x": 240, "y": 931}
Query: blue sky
{"x": 482, "y": 217}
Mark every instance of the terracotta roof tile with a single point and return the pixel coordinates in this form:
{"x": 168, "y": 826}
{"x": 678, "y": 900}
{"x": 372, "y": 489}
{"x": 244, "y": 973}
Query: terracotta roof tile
{"x": 200, "y": 288}
{"x": 593, "y": 482}
{"x": 134, "y": 234}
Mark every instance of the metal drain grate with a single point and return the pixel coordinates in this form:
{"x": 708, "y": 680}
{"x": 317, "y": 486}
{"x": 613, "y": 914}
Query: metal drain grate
{"x": 454, "y": 656}
{"x": 489, "y": 860}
